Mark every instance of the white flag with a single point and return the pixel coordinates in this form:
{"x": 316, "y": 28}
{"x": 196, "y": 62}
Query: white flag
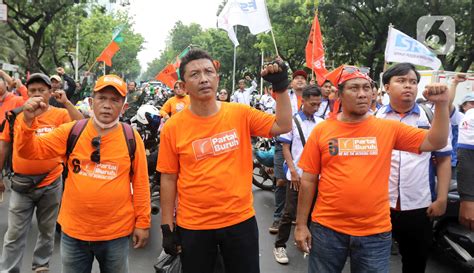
{"x": 250, "y": 13}
{"x": 402, "y": 48}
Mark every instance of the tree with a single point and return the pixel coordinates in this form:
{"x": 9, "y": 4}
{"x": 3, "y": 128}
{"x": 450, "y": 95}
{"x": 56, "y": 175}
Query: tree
{"x": 29, "y": 22}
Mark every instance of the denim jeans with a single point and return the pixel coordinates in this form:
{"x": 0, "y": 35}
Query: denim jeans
{"x": 280, "y": 191}
{"x": 46, "y": 200}
{"x": 330, "y": 249}
{"x": 238, "y": 245}
{"x": 77, "y": 256}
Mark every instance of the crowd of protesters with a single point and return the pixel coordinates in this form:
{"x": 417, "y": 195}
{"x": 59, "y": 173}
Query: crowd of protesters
{"x": 351, "y": 170}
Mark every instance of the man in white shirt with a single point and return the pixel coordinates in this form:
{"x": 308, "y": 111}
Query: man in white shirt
{"x": 410, "y": 194}
{"x": 267, "y": 102}
{"x": 293, "y": 143}
{"x": 243, "y": 95}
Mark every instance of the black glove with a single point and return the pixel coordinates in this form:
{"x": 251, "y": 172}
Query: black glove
{"x": 279, "y": 80}
{"x": 170, "y": 240}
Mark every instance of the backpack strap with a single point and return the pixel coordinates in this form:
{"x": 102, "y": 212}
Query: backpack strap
{"x": 11, "y": 117}
{"x": 74, "y": 134}
{"x": 428, "y": 112}
{"x": 131, "y": 143}
{"x": 300, "y": 131}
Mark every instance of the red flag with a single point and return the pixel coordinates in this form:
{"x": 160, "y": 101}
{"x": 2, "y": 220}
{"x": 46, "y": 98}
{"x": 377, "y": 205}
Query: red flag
{"x": 334, "y": 76}
{"x": 168, "y": 75}
{"x": 108, "y": 53}
{"x": 315, "y": 52}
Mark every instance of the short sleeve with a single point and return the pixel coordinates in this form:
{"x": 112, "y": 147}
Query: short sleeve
{"x": 286, "y": 138}
{"x": 456, "y": 117}
{"x": 260, "y": 122}
{"x": 168, "y": 161}
{"x": 409, "y": 138}
{"x": 310, "y": 160}
{"x": 5, "y": 134}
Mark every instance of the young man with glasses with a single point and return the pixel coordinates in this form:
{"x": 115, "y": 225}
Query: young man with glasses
{"x": 45, "y": 197}
{"x": 347, "y": 159}
{"x": 107, "y": 198}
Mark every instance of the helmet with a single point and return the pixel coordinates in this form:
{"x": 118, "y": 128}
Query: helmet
{"x": 146, "y": 110}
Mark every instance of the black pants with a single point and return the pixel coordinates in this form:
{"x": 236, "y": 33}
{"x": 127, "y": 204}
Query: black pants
{"x": 289, "y": 215}
{"x": 465, "y": 174}
{"x": 238, "y": 245}
{"x": 412, "y": 229}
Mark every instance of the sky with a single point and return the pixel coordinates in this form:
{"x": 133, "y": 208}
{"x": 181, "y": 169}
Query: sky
{"x": 155, "y": 18}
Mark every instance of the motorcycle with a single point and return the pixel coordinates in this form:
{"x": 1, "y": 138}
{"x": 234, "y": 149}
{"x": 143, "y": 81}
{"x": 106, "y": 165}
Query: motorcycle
{"x": 263, "y": 153}
{"x": 147, "y": 121}
{"x": 453, "y": 239}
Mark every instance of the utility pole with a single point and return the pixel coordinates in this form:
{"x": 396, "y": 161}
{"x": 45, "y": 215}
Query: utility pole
{"x": 76, "y": 65}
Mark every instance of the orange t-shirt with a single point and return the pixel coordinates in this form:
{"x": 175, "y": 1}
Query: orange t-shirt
{"x": 213, "y": 159}
{"x": 174, "y": 105}
{"x": 46, "y": 122}
{"x": 100, "y": 201}
{"x": 10, "y": 102}
{"x": 353, "y": 163}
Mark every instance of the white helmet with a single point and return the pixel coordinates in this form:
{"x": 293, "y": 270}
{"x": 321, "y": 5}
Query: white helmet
{"x": 146, "y": 108}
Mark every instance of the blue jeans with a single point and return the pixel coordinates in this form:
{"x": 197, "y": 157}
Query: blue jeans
{"x": 77, "y": 256}
{"x": 330, "y": 249}
{"x": 280, "y": 191}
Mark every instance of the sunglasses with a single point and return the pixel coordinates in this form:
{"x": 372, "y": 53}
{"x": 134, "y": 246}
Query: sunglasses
{"x": 95, "y": 156}
{"x": 349, "y": 70}
{"x": 222, "y": 93}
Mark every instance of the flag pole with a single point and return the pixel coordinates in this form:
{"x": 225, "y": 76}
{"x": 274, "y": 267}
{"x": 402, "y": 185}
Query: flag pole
{"x": 235, "y": 62}
{"x": 104, "y": 66}
{"x": 312, "y": 46}
{"x": 274, "y": 42}
{"x": 261, "y": 79}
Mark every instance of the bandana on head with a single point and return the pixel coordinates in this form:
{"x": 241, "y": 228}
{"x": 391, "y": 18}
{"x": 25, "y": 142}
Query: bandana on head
{"x": 344, "y": 73}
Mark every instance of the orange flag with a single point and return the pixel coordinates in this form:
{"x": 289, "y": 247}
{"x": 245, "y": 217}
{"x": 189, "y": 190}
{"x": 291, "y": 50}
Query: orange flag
{"x": 334, "y": 76}
{"x": 168, "y": 75}
{"x": 315, "y": 52}
{"x": 108, "y": 53}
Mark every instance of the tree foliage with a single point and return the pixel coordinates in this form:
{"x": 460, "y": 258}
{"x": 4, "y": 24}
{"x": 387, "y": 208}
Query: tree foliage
{"x": 354, "y": 32}
{"x": 47, "y": 30}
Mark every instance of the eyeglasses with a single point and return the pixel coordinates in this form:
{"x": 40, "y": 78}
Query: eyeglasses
{"x": 95, "y": 156}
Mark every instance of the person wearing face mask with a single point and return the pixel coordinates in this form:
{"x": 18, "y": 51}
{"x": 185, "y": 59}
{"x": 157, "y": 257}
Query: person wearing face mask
{"x": 176, "y": 103}
{"x": 107, "y": 197}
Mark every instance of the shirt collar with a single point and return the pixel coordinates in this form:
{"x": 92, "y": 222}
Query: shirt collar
{"x": 414, "y": 110}
{"x": 304, "y": 117}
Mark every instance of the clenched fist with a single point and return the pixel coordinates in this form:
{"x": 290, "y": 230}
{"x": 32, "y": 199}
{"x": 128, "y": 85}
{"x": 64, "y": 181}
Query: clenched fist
{"x": 32, "y": 108}
{"x": 436, "y": 93}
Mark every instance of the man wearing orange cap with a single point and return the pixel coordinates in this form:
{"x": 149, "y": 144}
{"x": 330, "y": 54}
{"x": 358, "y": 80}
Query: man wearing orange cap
{"x": 347, "y": 159}
{"x": 176, "y": 103}
{"x": 107, "y": 198}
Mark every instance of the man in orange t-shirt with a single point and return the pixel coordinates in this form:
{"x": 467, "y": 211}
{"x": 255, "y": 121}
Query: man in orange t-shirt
{"x": 176, "y": 103}
{"x": 106, "y": 198}
{"x": 347, "y": 159}
{"x": 46, "y": 196}
{"x": 8, "y": 101}
{"x": 206, "y": 163}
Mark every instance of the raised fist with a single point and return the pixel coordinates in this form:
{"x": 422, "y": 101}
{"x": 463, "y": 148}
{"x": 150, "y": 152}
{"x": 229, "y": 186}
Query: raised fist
{"x": 34, "y": 107}
{"x": 276, "y": 73}
{"x": 436, "y": 93}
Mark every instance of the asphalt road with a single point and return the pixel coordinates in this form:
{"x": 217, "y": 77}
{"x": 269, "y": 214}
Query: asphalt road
{"x": 142, "y": 260}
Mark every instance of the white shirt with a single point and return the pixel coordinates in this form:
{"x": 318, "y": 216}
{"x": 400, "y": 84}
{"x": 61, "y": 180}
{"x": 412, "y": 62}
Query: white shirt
{"x": 268, "y": 103}
{"x": 293, "y": 138}
{"x": 244, "y": 96}
{"x": 466, "y": 130}
{"x": 409, "y": 172}
{"x": 324, "y": 109}
{"x": 293, "y": 101}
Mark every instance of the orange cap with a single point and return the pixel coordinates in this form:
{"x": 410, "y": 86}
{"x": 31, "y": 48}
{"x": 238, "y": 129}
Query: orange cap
{"x": 111, "y": 80}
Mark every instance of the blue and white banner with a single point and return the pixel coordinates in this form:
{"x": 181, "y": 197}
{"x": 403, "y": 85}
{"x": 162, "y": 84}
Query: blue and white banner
{"x": 250, "y": 13}
{"x": 402, "y": 48}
